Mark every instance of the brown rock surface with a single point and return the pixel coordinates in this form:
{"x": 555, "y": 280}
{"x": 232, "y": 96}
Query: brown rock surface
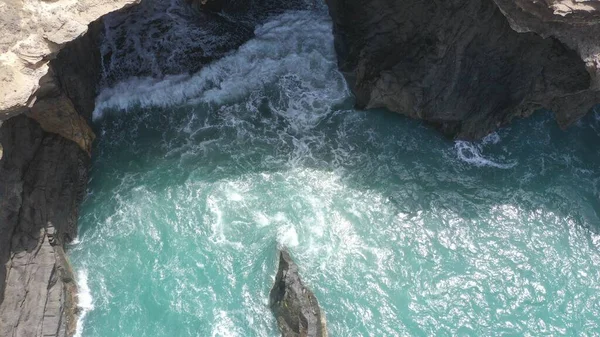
{"x": 58, "y": 115}
{"x": 31, "y": 34}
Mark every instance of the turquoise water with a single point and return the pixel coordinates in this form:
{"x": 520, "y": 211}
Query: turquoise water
{"x": 198, "y": 179}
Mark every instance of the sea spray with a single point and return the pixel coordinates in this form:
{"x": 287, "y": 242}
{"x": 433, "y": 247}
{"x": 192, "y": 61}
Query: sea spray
{"x": 472, "y": 152}
{"x": 282, "y": 56}
{"x": 85, "y": 301}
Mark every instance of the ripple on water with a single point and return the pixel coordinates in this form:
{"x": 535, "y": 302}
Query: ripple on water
{"x": 397, "y": 230}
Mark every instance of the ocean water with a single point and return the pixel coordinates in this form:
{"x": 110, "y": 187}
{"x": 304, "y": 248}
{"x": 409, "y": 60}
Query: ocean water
{"x": 199, "y": 178}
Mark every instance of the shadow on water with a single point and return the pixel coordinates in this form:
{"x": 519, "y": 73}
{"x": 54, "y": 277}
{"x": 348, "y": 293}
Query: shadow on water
{"x": 403, "y": 231}
{"x": 541, "y": 166}
{"x": 522, "y": 173}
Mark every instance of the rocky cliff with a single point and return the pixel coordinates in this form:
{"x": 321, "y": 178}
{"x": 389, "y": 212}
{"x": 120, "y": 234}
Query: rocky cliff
{"x": 466, "y": 66}
{"x": 48, "y": 88}
{"x": 42, "y": 181}
{"x": 32, "y": 34}
{"x": 470, "y": 66}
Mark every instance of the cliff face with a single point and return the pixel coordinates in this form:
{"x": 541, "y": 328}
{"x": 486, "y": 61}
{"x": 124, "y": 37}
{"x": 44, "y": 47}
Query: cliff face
{"x": 577, "y": 25}
{"x": 33, "y": 32}
{"x": 48, "y": 88}
{"x": 461, "y": 65}
{"x": 43, "y": 176}
{"x": 42, "y": 181}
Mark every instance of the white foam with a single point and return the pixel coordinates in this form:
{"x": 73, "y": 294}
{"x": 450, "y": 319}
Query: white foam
{"x": 261, "y": 219}
{"x": 85, "y": 301}
{"x": 224, "y": 326}
{"x": 293, "y": 53}
{"x": 287, "y": 236}
{"x": 492, "y": 138}
{"x": 233, "y": 196}
{"x": 471, "y": 152}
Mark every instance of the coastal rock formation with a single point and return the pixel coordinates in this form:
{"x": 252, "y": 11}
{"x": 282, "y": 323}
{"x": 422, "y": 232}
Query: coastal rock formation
{"x": 461, "y": 66}
{"x": 42, "y": 181}
{"x": 32, "y": 33}
{"x": 295, "y": 307}
{"x": 45, "y": 151}
{"x": 576, "y": 24}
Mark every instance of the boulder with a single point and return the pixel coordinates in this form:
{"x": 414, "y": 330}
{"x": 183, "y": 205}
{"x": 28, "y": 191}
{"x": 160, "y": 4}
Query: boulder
{"x": 294, "y": 305}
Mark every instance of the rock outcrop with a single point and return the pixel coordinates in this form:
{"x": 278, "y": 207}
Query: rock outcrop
{"x": 32, "y": 33}
{"x": 46, "y": 98}
{"x": 575, "y": 23}
{"x": 295, "y": 307}
{"x": 42, "y": 181}
{"x": 462, "y": 66}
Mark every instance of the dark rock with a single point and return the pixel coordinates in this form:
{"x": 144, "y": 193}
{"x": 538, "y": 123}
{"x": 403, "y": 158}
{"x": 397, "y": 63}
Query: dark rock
{"x": 295, "y": 307}
{"x": 77, "y": 68}
{"x": 456, "y": 64}
{"x": 42, "y": 182}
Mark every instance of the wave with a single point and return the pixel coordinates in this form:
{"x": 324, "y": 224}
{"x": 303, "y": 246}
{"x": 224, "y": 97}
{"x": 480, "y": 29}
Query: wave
{"x": 293, "y": 50}
{"x": 85, "y": 301}
{"x": 472, "y": 153}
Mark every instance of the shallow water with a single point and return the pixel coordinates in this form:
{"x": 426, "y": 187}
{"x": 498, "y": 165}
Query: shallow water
{"x": 198, "y": 179}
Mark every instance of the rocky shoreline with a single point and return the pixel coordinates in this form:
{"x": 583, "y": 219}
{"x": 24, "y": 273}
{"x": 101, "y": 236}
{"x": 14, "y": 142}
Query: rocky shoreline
{"x": 46, "y": 150}
{"x": 42, "y": 178}
{"x": 467, "y": 67}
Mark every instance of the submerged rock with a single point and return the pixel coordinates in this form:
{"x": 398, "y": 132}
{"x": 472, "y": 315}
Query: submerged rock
{"x": 295, "y": 307}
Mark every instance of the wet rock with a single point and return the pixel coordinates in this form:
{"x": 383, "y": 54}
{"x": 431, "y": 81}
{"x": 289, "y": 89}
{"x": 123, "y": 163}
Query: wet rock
{"x": 58, "y": 115}
{"x": 459, "y": 65}
{"x": 295, "y": 307}
{"x": 574, "y": 23}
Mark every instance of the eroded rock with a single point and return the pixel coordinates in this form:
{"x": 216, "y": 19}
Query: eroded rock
{"x": 295, "y": 307}
{"x": 576, "y": 24}
{"x": 32, "y": 33}
{"x": 459, "y": 65}
{"x": 42, "y": 182}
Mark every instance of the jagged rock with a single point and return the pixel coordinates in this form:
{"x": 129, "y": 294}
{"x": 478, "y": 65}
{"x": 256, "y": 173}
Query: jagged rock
{"x": 42, "y": 182}
{"x": 577, "y": 25}
{"x": 295, "y": 307}
{"x": 58, "y": 115}
{"x": 31, "y": 34}
{"x": 457, "y": 64}
{"x": 76, "y": 70}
